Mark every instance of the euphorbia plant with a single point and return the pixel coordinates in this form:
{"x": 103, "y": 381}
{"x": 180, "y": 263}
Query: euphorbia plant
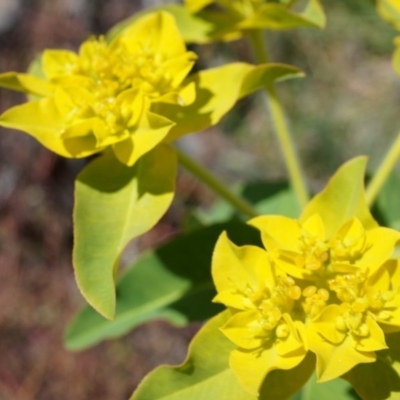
{"x": 127, "y": 98}
{"x": 316, "y": 289}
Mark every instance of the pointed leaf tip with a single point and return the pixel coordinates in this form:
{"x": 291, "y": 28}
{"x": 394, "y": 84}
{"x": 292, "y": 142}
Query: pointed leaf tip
{"x": 342, "y": 198}
{"x": 113, "y": 204}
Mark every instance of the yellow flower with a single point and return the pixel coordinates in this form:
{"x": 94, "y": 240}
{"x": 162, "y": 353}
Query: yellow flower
{"x": 350, "y": 331}
{"x": 261, "y": 300}
{"x": 102, "y": 96}
{"x": 326, "y": 283}
{"x": 132, "y": 94}
{"x": 340, "y": 256}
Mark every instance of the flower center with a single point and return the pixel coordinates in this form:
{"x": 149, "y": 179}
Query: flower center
{"x": 314, "y": 300}
{"x": 379, "y": 304}
{"x": 348, "y": 287}
{"x": 317, "y": 253}
{"x": 356, "y": 304}
{"x": 313, "y": 247}
{"x": 350, "y": 242}
{"x": 352, "y": 322}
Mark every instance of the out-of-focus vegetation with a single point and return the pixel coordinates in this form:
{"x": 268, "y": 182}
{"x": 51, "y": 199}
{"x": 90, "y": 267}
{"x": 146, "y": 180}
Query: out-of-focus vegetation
{"x": 347, "y": 105}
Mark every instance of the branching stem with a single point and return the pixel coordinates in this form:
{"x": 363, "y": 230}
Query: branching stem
{"x": 281, "y": 128}
{"x": 216, "y": 185}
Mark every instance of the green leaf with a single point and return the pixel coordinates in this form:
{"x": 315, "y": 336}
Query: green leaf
{"x": 266, "y": 197}
{"x": 331, "y": 390}
{"x": 278, "y": 17}
{"x": 381, "y": 379}
{"x": 214, "y": 98}
{"x": 375, "y": 381}
{"x": 198, "y": 25}
{"x": 342, "y": 198}
{"x": 314, "y": 13}
{"x": 204, "y": 375}
{"x": 113, "y": 204}
{"x": 387, "y": 202}
{"x": 161, "y": 285}
{"x": 282, "y": 384}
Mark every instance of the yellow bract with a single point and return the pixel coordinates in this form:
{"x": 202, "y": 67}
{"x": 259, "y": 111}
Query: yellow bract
{"x": 261, "y": 299}
{"x": 325, "y": 285}
{"x": 102, "y": 96}
{"x": 305, "y": 251}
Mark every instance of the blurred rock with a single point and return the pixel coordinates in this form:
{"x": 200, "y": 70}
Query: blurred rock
{"x": 9, "y": 12}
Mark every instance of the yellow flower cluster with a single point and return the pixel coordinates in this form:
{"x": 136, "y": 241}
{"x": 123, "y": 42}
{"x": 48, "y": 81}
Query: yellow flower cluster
{"x": 102, "y": 95}
{"x": 324, "y": 286}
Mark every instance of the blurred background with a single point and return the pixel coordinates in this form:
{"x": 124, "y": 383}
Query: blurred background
{"x": 347, "y": 105}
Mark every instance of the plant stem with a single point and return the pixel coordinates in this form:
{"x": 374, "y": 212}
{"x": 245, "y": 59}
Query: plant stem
{"x": 383, "y": 171}
{"x": 216, "y": 185}
{"x": 289, "y": 153}
{"x": 281, "y": 129}
{"x": 259, "y": 45}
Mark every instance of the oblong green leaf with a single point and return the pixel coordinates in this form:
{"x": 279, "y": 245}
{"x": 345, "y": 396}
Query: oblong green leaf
{"x": 381, "y": 379}
{"x": 266, "y": 197}
{"x": 282, "y": 384}
{"x": 375, "y": 381}
{"x": 214, "y": 98}
{"x": 386, "y": 207}
{"x": 113, "y": 204}
{"x": 204, "y": 375}
{"x": 314, "y": 13}
{"x": 342, "y": 198}
{"x": 172, "y": 283}
{"x": 278, "y": 17}
{"x": 336, "y": 389}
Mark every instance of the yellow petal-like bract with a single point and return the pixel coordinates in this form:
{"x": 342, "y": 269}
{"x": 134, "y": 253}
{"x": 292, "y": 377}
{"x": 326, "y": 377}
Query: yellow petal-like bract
{"x": 102, "y": 95}
{"x": 322, "y": 285}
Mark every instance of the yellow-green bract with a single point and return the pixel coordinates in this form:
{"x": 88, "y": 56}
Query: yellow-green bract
{"x": 231, "y": 19}
{"x": 130, "y": 94}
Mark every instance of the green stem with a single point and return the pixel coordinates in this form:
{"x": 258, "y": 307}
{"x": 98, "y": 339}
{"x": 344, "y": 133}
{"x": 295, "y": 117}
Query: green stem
{"x": 281, "y": 129}
{"x": 259, "y": 46}
{"x": 217, "y": 186}
{"x": 383, "y": 171}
